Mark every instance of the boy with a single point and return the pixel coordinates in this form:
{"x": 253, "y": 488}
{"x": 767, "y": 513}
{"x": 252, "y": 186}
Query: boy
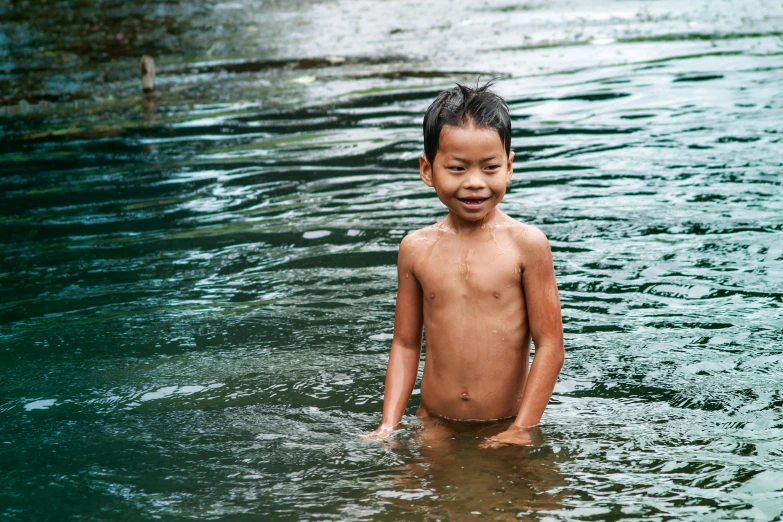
{"x": 480, "y": 283}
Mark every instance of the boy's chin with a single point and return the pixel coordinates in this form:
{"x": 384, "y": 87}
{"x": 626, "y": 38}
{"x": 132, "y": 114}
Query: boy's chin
{"x": 472, "y": 216}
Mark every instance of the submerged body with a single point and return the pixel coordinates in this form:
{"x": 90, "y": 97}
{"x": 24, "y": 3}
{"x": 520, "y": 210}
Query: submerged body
{"x": 479, "y": 283}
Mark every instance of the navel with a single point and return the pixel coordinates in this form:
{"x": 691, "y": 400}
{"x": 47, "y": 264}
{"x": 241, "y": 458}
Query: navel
{"x": 497, "y": 295}
{"x": 465, "y": 396}
{"x": 432, "y": 295}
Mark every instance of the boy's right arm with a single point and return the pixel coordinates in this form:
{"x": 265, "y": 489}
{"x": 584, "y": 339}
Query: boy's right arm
{"x": 403, "y": 364}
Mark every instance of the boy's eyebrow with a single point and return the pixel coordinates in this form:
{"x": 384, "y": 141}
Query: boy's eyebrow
{"x": 493, "y": 157}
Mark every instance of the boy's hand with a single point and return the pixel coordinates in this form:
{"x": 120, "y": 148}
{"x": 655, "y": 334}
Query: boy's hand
{"x": 381, "y": 433}
{"x": 514, "y": 435}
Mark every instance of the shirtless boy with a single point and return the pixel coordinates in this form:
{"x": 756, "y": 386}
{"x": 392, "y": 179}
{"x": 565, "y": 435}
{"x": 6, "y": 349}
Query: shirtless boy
{"x": 480, "y": 283}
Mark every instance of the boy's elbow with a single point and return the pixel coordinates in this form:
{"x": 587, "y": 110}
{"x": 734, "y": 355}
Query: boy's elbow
{"x": 559, "y": 357}
{"x": 555, "y": 353}
{"x": 406, "y": 345}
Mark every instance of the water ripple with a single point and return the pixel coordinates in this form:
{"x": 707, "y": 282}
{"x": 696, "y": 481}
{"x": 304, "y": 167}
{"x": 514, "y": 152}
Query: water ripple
{"x": 197, "y": 289}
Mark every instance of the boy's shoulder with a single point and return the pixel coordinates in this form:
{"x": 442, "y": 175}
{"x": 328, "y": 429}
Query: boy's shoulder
{"x": 524, "y": 235}
{"x": 416, "y": 240}
{"x": 424, "y": 235}
{"x": 531, "y": 244}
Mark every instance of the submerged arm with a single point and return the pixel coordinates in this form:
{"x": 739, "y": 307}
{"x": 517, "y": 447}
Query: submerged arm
{"x": 403, "y": 364}
{"x": 546, "y": 329}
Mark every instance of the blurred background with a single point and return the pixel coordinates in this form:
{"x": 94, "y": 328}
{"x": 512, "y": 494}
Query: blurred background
{"x": 197, "y": 285}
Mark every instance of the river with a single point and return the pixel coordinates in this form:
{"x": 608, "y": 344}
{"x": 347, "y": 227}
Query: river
{"x": 197, "y": 286}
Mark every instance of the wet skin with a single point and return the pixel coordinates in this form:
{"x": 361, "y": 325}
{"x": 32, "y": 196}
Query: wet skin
{"x": 481, "y": 284}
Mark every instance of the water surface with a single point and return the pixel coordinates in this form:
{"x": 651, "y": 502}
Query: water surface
{"x": 197, "y": 288}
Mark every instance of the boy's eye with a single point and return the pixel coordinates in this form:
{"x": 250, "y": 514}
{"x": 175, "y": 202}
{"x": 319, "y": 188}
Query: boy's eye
{"x": 456, "y": 168}
{"x": 492, "y": 167}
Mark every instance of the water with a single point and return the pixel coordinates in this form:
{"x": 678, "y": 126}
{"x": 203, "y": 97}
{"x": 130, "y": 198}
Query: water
{"x": 197, "y": 289}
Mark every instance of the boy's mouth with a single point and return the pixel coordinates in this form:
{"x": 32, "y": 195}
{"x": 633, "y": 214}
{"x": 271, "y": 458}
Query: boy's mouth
{"x": 473, "y": 202}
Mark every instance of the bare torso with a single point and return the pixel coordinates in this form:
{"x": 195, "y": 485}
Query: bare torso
{"x": 475, "y": 319}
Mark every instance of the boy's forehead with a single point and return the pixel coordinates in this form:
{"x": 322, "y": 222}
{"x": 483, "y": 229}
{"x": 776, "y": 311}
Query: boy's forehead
{"x": 459, "y": 136}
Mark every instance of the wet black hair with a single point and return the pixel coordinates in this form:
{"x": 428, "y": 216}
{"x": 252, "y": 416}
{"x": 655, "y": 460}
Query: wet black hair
{"x": 460, "y": 105}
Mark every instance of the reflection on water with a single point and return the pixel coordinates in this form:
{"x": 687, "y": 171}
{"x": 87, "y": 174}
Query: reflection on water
{"x": 197, "y": 288}
{"x": 449, "y": 477}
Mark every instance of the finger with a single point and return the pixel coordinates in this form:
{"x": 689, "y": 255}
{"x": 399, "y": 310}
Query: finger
{"x": 491, "y": 444}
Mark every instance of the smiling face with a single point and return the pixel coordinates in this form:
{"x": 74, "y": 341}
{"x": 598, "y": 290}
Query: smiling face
{"x": 470, "y": 171}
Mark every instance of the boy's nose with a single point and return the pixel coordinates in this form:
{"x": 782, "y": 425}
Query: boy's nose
{"x": 474, "y": 179}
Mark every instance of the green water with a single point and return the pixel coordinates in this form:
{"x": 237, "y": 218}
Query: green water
{"x": 197, "y": 290}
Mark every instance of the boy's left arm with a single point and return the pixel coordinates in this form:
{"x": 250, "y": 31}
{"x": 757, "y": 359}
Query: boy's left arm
{"x": 546, "y": 329}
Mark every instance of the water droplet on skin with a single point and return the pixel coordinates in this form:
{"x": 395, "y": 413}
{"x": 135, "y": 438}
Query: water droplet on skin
{"x": 494, "y": 331}
{"x": 432, "y": 295}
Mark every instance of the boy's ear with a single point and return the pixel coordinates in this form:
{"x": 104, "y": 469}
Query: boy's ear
{"x": 425, "y": 170}
{"x": 510, "y": 166}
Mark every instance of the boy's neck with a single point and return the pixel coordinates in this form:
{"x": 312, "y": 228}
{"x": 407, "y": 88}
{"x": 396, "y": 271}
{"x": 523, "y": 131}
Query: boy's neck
{"x": 460, "y": 225}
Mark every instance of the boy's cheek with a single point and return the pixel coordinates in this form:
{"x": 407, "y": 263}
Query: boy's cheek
{"x": 500, "y": 187}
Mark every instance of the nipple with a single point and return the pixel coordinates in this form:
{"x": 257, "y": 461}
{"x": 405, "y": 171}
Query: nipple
{"x": 465, "y": 396}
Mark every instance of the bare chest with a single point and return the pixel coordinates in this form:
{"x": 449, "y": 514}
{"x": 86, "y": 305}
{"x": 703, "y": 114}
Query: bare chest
{"x": 469, "y": 273}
